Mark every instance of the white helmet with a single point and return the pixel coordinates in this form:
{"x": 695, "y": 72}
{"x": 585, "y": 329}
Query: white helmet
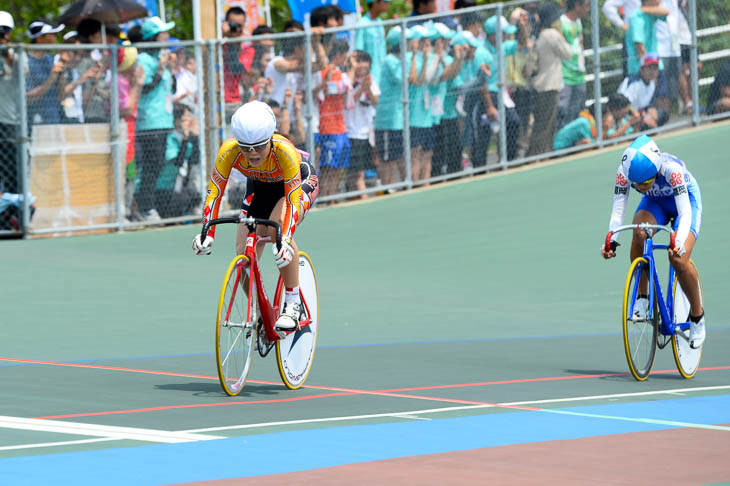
{"x": 253, "y": 123}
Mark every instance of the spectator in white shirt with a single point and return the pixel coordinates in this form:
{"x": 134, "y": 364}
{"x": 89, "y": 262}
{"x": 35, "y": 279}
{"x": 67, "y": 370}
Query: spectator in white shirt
{"x": 642, "y": 92}
{"x": 359, "y": 115}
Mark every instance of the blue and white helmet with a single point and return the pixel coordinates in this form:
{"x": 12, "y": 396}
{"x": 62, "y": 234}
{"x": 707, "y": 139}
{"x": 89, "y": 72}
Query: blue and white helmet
{"x": 642, "y": 158}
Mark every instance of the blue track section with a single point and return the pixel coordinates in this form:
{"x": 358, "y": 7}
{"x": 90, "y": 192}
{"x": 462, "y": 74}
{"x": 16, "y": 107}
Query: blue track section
{"x": 311, "y": 449}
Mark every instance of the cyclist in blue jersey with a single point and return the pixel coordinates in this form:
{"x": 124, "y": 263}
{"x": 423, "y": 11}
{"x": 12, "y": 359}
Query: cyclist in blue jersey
{"x": 670, "y": 193}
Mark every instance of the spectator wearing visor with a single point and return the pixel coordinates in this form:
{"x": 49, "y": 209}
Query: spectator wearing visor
{"x": 512, "y": 120}
{"x": 154, "y": 113}
{"x": 44, "y": 83}
{"x": 445, "y": 130}
{"x": 389, "y": 112}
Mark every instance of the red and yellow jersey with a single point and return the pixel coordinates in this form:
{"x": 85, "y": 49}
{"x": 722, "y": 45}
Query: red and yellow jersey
{"x": 282, "y": 165}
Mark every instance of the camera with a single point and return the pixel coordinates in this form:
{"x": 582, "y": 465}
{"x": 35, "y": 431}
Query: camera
{"x": 234, "y": 26}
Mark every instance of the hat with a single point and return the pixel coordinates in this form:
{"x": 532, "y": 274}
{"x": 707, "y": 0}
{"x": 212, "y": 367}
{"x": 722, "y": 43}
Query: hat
{"x": 39, "y": 28}
{"x": 393, "y": 36}
{"x": 548, "y": 13}
{"x": 490, "y": 26}
{"x": 6, "y": 20}
{"x": 71, "y": 34}
{"x": 417, "y": 32}
{"x": 440, "y": 31}
{"x": 649, "y": 60}
{"x": 153, "y": 26}
{"x": 126, "y": 57}
{"x": 465, "y": 38}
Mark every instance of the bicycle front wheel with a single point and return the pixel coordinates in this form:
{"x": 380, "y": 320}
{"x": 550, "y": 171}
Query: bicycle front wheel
{"x": 235, "y": 331}
{"x": 295, "y": 351}
{"x": 686, "y": 358}
{"x": 640, "y": 335}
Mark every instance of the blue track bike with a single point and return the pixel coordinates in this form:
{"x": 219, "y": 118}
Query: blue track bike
{"x": 666, "y": 320}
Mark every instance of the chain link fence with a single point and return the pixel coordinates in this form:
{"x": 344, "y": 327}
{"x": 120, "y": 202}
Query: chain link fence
{"x": 117, "y": 137}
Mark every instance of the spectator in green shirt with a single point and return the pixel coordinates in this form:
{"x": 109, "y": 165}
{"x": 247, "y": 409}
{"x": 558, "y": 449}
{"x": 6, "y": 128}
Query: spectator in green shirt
{"x": 573, "y": 94}
{"x": 371, "y": 38}
{"x": 641, "y": 35}
{"x": 581, "y": 131}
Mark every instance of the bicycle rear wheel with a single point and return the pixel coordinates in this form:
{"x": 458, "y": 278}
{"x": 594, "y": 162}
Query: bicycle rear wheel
{"x": 640, "y": 335}
{"x": 295, "y": 351}
{"x": 235, "y": 331}
{"x": 686, "y": 358}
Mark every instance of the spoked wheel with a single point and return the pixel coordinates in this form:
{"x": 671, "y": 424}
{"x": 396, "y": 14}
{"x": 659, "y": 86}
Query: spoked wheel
{"x": 687, "y": 359}
{"x": 640, "y": 335}
{"x": 295, "y": 351}
{"x": 235, "y": 332}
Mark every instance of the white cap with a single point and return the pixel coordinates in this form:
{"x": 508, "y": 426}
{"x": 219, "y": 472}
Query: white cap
{"x": 6, "y": 20}
{"x": 253, "y": 123}
{"x": 38, "y": 28}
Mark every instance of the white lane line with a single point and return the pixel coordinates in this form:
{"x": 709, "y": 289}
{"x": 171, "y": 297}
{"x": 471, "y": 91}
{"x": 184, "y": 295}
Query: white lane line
{"x": 671, "y": 423}
{"x": 623, "y": 395}
{"x": 75, "y": 428}
{"x": 56, "y": 444}
{"x": 412, "y": 417}
{"x": 464, "y": 407}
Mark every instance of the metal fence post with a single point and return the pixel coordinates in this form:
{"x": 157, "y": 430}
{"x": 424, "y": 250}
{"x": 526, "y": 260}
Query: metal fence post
{"x": 201, "y": 114}
{"x": 114, "y": 136}
{"x": 693, "y": 61}
{"x": 406, "y": 103}
{"x": 212, "y": 114}
{"x": 308, "y": 98}
{"x": 221, "y": 102}
{"x": 502, "y": 154}
{"x": 595, "y": 39}
{"x": 23, "y": 173}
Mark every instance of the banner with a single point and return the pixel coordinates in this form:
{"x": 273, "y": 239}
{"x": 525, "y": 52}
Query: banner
{"x": 300, "y": 8}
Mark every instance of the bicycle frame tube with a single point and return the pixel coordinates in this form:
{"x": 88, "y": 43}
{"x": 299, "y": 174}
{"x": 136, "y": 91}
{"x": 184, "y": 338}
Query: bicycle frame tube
{"x": 665, "y": 307}
{"x": 268, "y": 312}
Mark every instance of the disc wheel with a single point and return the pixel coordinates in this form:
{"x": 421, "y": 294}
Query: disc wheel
{"x": 235, "y": 331}
{"x": 640, "y": 335}
{"x": 686, "y": 358}
{"x": 295, "y": 351}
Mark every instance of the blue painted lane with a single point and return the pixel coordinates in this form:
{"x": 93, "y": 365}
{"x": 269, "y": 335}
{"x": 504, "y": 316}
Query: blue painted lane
{"x": 311, "y": 449}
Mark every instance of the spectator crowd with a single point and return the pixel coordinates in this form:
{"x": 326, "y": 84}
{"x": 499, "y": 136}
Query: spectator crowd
{"x": 455, "y": 98}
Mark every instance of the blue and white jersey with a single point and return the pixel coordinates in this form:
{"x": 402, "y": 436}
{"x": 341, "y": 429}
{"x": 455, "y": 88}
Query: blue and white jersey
{"x": 673, "y": 181}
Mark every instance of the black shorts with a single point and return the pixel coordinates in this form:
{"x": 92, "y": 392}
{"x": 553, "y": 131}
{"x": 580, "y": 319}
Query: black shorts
{"x": 261, "y": 197}
{"x": 685, "y": 51}
{"x": 423, "y": 137}
{"x": 390, "y": 144}
{"x": 361, "y": 155}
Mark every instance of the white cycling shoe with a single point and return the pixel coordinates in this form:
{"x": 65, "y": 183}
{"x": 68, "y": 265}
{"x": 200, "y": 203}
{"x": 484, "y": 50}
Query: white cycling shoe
{"x": 290, "y": 317}
{"x": 697, "y": 333}
{"x": 641, "y": 309}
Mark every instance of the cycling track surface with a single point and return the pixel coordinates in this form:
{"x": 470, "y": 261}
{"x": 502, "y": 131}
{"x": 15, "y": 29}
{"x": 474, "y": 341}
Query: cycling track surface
{"x": 469, "y": 334}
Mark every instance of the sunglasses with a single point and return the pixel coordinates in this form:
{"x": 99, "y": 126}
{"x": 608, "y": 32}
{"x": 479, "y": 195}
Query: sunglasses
{"x": 256, "y": 147}
{"x": 648, "y": 181}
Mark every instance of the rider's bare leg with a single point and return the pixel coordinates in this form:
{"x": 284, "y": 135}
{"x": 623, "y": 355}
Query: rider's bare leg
{"x": 687, "y": 276}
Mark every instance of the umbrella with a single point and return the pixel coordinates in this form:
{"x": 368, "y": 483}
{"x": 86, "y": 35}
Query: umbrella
{"x": 105, "y": 11}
